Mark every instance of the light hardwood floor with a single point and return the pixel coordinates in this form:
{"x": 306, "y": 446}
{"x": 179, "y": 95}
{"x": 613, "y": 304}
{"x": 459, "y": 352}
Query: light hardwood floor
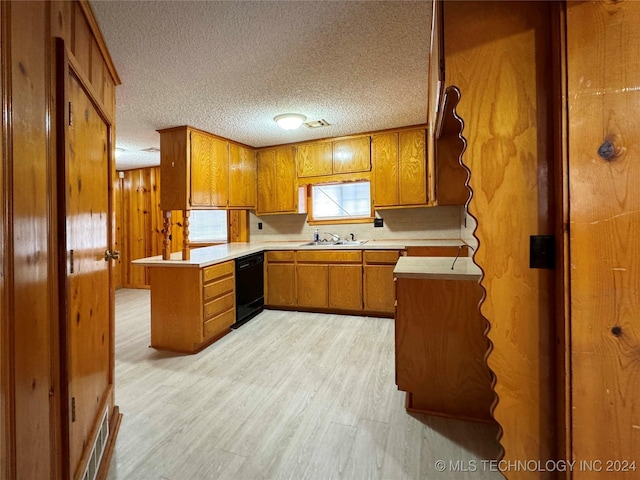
{"x": 287, "y": 396}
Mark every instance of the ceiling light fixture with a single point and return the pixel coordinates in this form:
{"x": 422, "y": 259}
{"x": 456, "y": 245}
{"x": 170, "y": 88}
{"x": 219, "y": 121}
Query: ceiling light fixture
{"x": 290, "y": 121}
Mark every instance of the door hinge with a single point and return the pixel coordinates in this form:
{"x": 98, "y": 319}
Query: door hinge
{"x": 73, "y": 409}
{"x": 70, "y": 261}
{"x": 70, "y": 115}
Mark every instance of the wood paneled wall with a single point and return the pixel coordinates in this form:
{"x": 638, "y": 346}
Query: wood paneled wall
{"x": 499, "y": 55}
{"x": 139, "y": 223}
{"x": 603, "y": 45}
{"x": 30, "y": 406}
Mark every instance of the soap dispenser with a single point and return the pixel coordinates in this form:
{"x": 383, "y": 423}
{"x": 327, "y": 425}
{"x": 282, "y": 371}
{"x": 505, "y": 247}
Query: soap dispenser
{"x": 316, "y": 236}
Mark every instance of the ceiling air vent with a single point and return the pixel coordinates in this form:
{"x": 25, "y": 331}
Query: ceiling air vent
{"x": 316, "y": 124}
{"x": 150, "y": 150}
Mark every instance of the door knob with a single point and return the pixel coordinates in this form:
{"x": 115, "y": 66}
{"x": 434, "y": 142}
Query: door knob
{"x": 109, "y": 255}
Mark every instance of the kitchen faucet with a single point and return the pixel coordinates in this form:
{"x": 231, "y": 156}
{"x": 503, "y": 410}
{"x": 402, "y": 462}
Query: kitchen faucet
{"x": 336, "y": 238}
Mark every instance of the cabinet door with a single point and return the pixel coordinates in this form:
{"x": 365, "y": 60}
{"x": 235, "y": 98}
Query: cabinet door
{"x": 201, "y": 170}
{"x": 285, "y": 181}
{"x": 345, "y": 287}
{"x": 385, "y": 169}
{"x": 352, "y": 155}
{"x": 313, "y": 286}
{"x": 281, "y": 284}
{"x": 314, "y": 159}
{"x": 379, "y": 288}
{"x": 266, "y": 181}
{"x": 242, "y": 177}
{"x": 219, "y": 173}
{"x": 413, "y": 168}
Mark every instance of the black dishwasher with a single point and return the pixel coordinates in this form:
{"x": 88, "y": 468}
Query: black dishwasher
{"x": 249, "y": 287}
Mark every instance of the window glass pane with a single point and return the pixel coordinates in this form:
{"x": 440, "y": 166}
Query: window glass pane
{"x": 341, "y": 201}
{"x": 208, "y": 226}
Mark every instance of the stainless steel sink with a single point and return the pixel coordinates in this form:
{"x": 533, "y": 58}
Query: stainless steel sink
{"x": 341, "y": 243}
{"x": 318, "y": 244}
{"x": 351, "y": 243}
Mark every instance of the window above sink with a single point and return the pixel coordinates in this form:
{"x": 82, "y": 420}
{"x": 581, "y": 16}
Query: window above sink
{"x": 340, "y": 202}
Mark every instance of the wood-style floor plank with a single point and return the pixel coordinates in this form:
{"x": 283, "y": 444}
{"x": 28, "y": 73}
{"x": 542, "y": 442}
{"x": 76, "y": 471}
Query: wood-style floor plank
{"x": 289, "y": 395}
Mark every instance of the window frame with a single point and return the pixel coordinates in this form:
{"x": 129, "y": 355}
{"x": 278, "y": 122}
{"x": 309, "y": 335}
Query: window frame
{"x": 206, "y": 243}
{"x": 311, "y": 220}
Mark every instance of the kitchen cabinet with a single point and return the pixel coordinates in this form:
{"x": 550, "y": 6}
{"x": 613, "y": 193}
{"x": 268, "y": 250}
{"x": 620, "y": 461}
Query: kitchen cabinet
{"x": 194, "y": 169}
{"x": 329, "y": 279}
{"x": 312, "y": 285}
{"x": 346, "y": 155}
{"x": 345, "y": 287}
{"x": 280, "y": 279}
{"x": 191, "y": 307}
{"x": 440, "y": 343}
{"x": 277, "y": 192}
{"x": 379, "y": 287}
{"x": 242, "y": 177}
{"x": 314, "y": 159}
{"x": 399, "y": 169}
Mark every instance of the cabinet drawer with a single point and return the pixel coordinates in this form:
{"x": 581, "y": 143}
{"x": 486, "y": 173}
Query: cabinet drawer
{"x": 219, "y": 270}
{"x": 388, "y": 257}
{"x": 219, "y": 324}
{"x": 219, "y": 305}
{"x": 215, "y": 289}
{"x": 333, "y": 256}
{"x": 281, "y": 256}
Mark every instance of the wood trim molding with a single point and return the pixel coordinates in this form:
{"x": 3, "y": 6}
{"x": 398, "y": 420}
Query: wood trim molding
{"x": 7, "y": 380}
{"x": 95, "y": 29}
{"x": 88, "y": 87}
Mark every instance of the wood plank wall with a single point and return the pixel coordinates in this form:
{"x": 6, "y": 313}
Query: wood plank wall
{"x": 498, "y": 54}
{"x": 30, "y": 418}
{"x": 139, "y": 223}
{"x": 603, "y": 45}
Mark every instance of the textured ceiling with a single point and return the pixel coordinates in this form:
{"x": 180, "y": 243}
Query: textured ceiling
{"x": 229, "y": 67}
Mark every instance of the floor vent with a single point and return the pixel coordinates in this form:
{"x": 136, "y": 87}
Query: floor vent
{"x": 97, "y": 450}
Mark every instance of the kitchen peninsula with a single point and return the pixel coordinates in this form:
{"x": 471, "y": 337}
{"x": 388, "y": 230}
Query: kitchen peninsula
{"x": 441, "y": 344}
{"x": 193, "y": 301}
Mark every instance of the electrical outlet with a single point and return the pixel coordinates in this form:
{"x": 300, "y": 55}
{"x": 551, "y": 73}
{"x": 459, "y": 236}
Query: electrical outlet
{"x": 378, "y": 222}
{"x": 259, "y": 225}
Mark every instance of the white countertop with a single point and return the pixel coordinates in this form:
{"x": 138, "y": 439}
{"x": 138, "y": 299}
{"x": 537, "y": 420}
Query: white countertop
{"x": 205, "y": 256}
{"x": 437, "y": 268}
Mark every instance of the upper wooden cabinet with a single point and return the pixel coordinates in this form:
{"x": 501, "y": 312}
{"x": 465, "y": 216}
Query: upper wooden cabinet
{"x": 399, "y": 169}
{"x": 199, "y": 170}
{"x": 242, "y": 177}
{"x": 347, "y": 155}
{"x": 277, "y": 192}
{"x": 209, "y": 171}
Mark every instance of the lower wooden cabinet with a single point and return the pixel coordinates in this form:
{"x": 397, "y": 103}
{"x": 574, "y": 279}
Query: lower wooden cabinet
{"x": 280, "y": 282}
{"x": 379, "y": 286}
{"x": 313, "y": 286}
{"x": 329, "y": 279}
{"x": 191, "y": 307}
{"x": 345, "y": 287}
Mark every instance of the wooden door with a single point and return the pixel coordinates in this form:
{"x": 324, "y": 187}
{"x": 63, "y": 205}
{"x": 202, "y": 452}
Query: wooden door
{"x": 385, "y": 169}
{"x": 352, "y": 155}
{"x": 603, "y": 71}
{"x": 312, "y": 286}
{"x": 242, "y": 176}
{"x": 88, "y": 298}
{"x": 286, "y": 194}
{"x": 345, "y": 287}
{"x": 412, "y": 168}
